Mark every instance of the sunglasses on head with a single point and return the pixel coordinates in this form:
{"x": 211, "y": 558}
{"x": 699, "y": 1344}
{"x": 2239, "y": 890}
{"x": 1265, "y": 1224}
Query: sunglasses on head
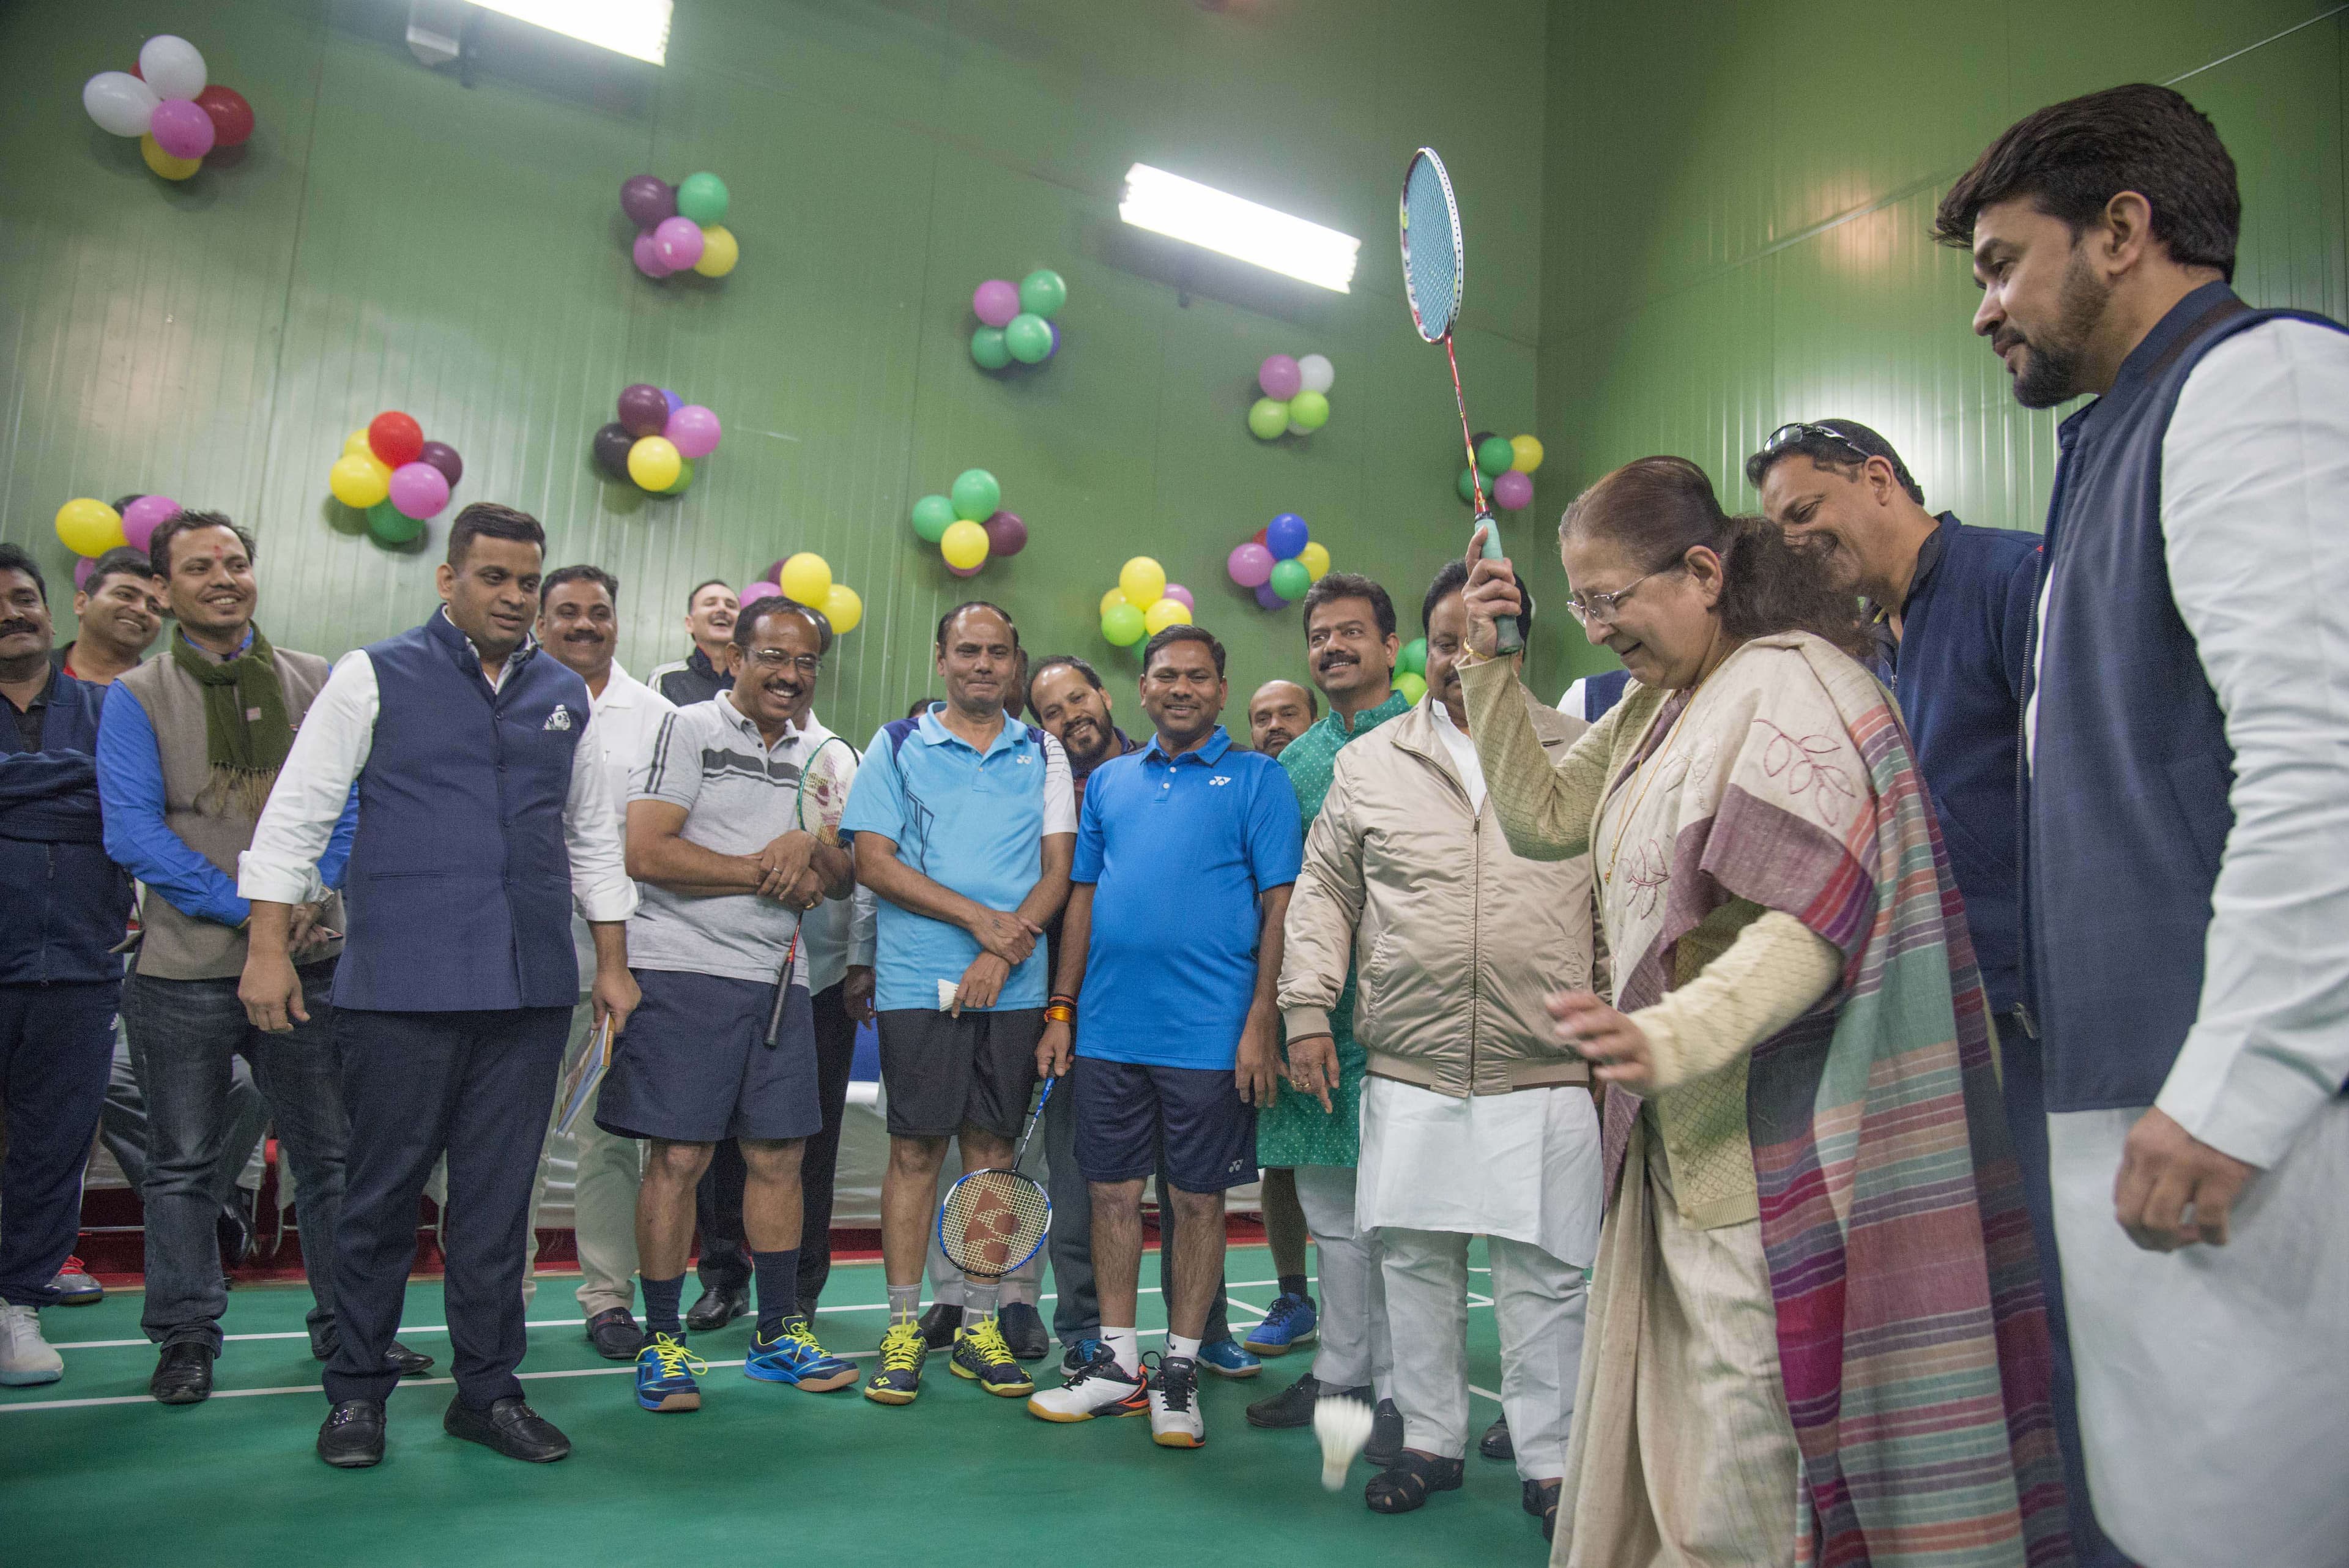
{"x": 1793, "y": 435}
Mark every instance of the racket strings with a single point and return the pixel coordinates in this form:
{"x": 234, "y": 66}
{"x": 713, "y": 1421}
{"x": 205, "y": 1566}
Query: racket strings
{"x": 1431, "y": 249}
{"x": 993, "y": 1221}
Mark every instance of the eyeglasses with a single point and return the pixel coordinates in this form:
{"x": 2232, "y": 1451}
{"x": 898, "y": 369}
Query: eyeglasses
{"x": 775, "y": 659}
{"x": 1602, "y": 607}
{"x": 1786, "y": 436}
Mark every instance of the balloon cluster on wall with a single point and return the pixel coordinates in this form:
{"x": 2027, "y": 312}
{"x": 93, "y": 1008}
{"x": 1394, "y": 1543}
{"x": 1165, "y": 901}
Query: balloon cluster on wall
{"x": 390, "y": 472}
{"x": 1015, "y": 320}
{"x": 1144, "y": 603}
{"x": 168, "y": 104}
{"x": 657, "y": 440}
{"x": 1296, "y": 399}
{"x": 90, "y": 528}
{"x": 1506, "y": 463}
{"x": 968, "y": 524}
{"x": 1410, "y": 669}
{"x": 1280, "y": 563}
{"x": 679, "y": 227}
{"x": 805, "y": 577}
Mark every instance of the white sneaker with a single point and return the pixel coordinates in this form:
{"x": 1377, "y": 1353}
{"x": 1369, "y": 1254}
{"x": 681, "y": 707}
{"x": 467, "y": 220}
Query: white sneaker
{"x": 1175, "y": 1420}
{"x": 25, "y": 1357}
{"x": 1099, "y": 1387}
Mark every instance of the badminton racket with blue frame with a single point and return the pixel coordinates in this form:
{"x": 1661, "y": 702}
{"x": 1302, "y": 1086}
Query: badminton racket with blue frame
{"x": 994, "y": 1220}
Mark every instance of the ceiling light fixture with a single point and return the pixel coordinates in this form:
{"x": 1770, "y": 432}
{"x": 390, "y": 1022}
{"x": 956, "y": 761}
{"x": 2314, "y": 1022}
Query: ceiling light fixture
{"x": 636, "y": 28}
{"x": 1185, "y": 209}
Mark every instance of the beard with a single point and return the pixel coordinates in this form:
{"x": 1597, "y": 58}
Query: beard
{"x": 2051, "y": 368}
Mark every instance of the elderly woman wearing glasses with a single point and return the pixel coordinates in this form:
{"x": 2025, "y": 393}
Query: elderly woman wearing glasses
{"x": 1815, "y": 1329}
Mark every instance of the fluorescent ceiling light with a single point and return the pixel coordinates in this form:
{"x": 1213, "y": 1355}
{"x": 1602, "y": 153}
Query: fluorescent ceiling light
{"x": 636, "y": 28}
{"x": 1169, "y": 204}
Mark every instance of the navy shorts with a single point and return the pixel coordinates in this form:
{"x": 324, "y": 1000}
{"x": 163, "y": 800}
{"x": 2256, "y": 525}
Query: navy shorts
{"x": 694, "y": 1064}
{"x": 1124, "y": 1107}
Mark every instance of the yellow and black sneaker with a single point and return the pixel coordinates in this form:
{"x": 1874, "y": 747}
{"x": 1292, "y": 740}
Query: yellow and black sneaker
{"x": 980, "y": 1354}
{"x": 902, "y": 1351}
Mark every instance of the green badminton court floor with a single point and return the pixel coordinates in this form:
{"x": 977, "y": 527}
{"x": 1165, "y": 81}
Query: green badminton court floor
{"x": 92, "y": 1471}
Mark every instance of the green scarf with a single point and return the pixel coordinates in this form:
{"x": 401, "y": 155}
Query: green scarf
{"x": 246, "y": 732}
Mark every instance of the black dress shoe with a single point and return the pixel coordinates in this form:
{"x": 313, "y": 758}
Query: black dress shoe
{"x": 1496, "y": 1443}
{"x": 410, "y": 1363}
{"x": 1385, "y": 1446}
{"x": 1023, "y": 1331}
{"x": 615, "y": 1335}
{"x": 183, "y": 1374}
{"x": 351, "y": 1437}
{"x": 718, "y": 1306}
{"x": 940, "y": 1324}
{"x": 509, "y": 1427}
{"x": 1292, "y": 1406}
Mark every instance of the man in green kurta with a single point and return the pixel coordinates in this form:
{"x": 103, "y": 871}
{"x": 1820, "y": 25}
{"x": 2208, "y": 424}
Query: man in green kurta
{"x": 1351, "y": 646}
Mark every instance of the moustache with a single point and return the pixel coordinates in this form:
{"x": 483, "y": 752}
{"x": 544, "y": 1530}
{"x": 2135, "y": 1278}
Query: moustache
{"x": 583, "y": 637}
{"x": 11, "y": 628}
{"x": 1331, "y": 660}
{"x": 1999, "y": 342}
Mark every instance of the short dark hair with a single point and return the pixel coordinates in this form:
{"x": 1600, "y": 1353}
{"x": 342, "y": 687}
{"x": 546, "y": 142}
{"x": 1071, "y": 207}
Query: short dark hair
{"x": 1183, "y": 631}
{"x": 746, "y": 624}
{"x": 122, "y": 561}
{"x": 487, "y": 519}
{"x": 1836, "y": 451}
{"x": 2074, "y": 156}
{"x": 1452, "y": 579}
{"x": 1332, "y": 586}
{"x": 158, "y": 543}
{"x": 706, "y": 583}
{"x": 1060, "y": 660}
{"x": 946, "y": 620}
{"x": 12, "y": 558}
{"x": 579, "y": 574}
{"x": 921, "y": 705}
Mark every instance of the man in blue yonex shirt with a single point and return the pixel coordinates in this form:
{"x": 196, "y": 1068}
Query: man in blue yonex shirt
{"x": 1180, "y": 1036}
{"x": 964, "y": 826}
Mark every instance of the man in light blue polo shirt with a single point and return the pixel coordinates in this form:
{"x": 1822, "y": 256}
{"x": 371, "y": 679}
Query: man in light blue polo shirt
{"x": 963, "y": 825}
{"x": 1169, "y": 958}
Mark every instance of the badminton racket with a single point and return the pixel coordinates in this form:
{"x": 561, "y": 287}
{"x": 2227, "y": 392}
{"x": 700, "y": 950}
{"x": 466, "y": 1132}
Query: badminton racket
{"x": 994, "y": 1220}
{"x": 1435, "y": 271}
{"x": 827, "y": 818}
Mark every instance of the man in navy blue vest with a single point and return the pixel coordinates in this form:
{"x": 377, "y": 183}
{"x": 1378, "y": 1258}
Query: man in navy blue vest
{"x": 483, "y": 818}
{"x": 2186, "y": 897}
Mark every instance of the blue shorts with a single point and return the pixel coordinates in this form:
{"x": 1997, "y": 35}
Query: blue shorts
{"x": 694, "y": 1064}
{"x": 1124, "y": 1109}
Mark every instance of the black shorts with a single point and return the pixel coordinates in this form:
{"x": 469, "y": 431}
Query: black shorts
{"x": 940, "y": 1071}
{"x": 694, "y": 1064}
{"x": 1123, "y": 1107}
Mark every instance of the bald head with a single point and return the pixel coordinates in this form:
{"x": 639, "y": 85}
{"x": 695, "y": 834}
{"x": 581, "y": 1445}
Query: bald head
{"x": 1279, "y": 712}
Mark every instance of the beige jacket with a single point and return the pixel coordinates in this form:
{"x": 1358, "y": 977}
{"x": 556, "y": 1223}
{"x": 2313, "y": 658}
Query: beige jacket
{"x": 1456, "y": 938}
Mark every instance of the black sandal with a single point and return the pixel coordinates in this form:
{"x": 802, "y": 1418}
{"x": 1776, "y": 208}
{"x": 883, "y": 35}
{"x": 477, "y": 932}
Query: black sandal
{"x": 1541, "y": 1501}
{"x": 1406, "y": 1484}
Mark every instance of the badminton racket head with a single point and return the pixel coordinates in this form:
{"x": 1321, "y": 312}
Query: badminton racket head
{"x": 992, "y": 1221}
{"x": 1433, "y": 263}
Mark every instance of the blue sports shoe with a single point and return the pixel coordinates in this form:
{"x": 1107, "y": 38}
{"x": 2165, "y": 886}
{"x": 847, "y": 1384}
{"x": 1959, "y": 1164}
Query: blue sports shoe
{"x": 1289, "y": 1323}
{"x": 665, "y": 1370}
{"x": 1224, "y": 1358}
{"x": 794, "y": 1357}
{"x": 1080, "y": 1356}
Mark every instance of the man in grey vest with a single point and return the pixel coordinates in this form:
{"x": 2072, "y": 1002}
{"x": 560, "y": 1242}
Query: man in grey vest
{"x": 188, "y": 749}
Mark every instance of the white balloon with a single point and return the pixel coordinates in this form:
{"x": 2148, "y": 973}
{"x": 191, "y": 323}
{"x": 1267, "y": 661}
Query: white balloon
{"x": 1317, "y": 370}
{"x": 119, "y": 102}
{"x": 172, "y": 66}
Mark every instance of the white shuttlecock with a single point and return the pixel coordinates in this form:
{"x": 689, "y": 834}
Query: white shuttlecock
{"x": 1343, "y": 1424}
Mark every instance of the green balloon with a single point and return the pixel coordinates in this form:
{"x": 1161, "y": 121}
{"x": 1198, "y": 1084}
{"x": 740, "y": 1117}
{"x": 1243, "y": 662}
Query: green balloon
{"x": 1267, "y": 417}
{"x": 1028, "y": 338}
{"x": 1043, "y": 292}
{"x": 702, "y": 198}
{"x": 987, "y": 348}
{"x": 1308, "y": 411}
{"x": 684, "y": 477}
{"x": 1291, "y": 580}
{"x": 1412, "y": 687}
{"x": 1122, "y": 625}
{"x": 391, "y": 524}
{"x": 933, "y": 515}
{"x": 1494, "y": 457}
{"x": 976, "y": 495}
{"x": 1468, "y": 486}
{"x": 1412, "y": 660}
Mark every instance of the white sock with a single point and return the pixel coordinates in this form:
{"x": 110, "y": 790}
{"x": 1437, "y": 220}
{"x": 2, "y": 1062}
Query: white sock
{"x": 978, "y": 1300}
{"x": 1124, "y": 1344}
{"x": 1188, "y": 1349}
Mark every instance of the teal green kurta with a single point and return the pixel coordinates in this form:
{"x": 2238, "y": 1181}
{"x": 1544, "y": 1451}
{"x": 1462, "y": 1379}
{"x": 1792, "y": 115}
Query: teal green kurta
{"x": 1297, "y": 1130}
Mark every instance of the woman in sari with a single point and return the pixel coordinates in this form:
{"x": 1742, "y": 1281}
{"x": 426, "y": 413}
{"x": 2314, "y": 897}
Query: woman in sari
{"x": 1815, "y": 1332}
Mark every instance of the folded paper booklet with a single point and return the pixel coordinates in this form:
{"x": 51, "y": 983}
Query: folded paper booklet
{"x": 579, "y": 1082}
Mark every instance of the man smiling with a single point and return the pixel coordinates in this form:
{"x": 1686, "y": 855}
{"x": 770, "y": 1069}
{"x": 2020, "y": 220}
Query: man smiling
{"x": 117, "y": 614}
{"x": 709, "y": 612}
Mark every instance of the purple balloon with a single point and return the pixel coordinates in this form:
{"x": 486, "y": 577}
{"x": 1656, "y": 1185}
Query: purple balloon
{"x": 678, "y": 243}
{"x": 1280, "y": 378}
{"x": 183, "y": 129}
{"x": 964, "y": 571}
{"x": 1054, "y": 329}
{"x": 647, "y": 255}
{"x": 443, "y": 456}
{"x": 418, "y": 490}
{"x": 143, "y": 516}
{"x": 644, "y": 410}
{"x": 672, "y": 399}
{"x": 995, "y": 302}
{"x": 1513, "y": 491}
{"x": 1266, "y": 599}
{"x": 775, "y": 572}
{"x": 758, "y": 591}
{"x": 1006, "y": 535}
{"x": 1285, "y": 536}
{"x": 1250, "y": 565}
{"x": 1180, "y": 596}
{"x": 647, "y": 199}
{"x": 82, "y": 569}
{"x": 693, "y": 430}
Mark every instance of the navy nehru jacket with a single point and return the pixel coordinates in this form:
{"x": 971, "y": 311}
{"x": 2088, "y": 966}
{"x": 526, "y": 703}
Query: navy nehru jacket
{"x": 68, "y": 902}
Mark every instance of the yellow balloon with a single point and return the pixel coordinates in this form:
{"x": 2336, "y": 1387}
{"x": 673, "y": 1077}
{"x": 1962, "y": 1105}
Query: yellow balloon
{"x": 162, "y": 162}
{"x": 843, "y": 608}
{"x": 360, "y": 480}
{"x": 1143, "y": 581}
{"x": 963, "y": 544}
{"x": 1314, "y": 558}
{"x": 1163, "y": 614}
{"x": 1528, "y": 450}
{"x": 1114, "y": 598}
{"x": 355, "y": 445}
{"x": 807, "y": 577}
{"x": 89, "y": 527}
{"x": 654, "y": 464}
{"x": 718, "y": 252}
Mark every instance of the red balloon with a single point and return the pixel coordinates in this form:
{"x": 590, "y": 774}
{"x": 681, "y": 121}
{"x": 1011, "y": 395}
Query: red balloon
{"x": 232, "y": 117}
{"x": 396, "y": 438}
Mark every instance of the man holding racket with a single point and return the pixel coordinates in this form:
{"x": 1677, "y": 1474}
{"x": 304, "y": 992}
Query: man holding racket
{"x": 733, "y": 834}
{"x": 1164, "y": 999}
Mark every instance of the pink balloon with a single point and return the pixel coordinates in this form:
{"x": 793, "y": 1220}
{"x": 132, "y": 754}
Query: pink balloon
{"x": 964, "y": 571}
{"x": 418, "y": 490}
{"x": 183, "y": 129}
{"x": 647, "y": 255}
{"x": 758, "y": 591}
{"x": 1250, "y": 565}
{"x": 1180, "y": 596}
{"x": 693, "y": 430}
{"x": 1513, "y": 491}
{"x": 1006, "y": 535}
{"x": 995, "y": 302}
{"x": 678, "y": 243}
{"x": 1280, "y": 378}
{"x": 143, "y": 516}
{"x": 82, "y": 569}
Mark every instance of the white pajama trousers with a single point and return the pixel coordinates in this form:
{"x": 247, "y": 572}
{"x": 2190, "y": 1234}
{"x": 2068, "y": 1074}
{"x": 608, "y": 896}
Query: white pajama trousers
{"x": 1356, "y": 1350}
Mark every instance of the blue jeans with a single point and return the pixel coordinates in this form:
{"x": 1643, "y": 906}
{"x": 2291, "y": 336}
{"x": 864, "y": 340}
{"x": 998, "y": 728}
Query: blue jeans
{"x": 55, "y": 1043}
{"x": 184, "y": 1036}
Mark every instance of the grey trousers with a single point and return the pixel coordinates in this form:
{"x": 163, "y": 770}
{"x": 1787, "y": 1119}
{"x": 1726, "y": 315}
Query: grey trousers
{"x": 1357, "y": 1350}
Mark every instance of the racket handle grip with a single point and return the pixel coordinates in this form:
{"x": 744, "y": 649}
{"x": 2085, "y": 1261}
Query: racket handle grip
{"x": 1508, "y": 637}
